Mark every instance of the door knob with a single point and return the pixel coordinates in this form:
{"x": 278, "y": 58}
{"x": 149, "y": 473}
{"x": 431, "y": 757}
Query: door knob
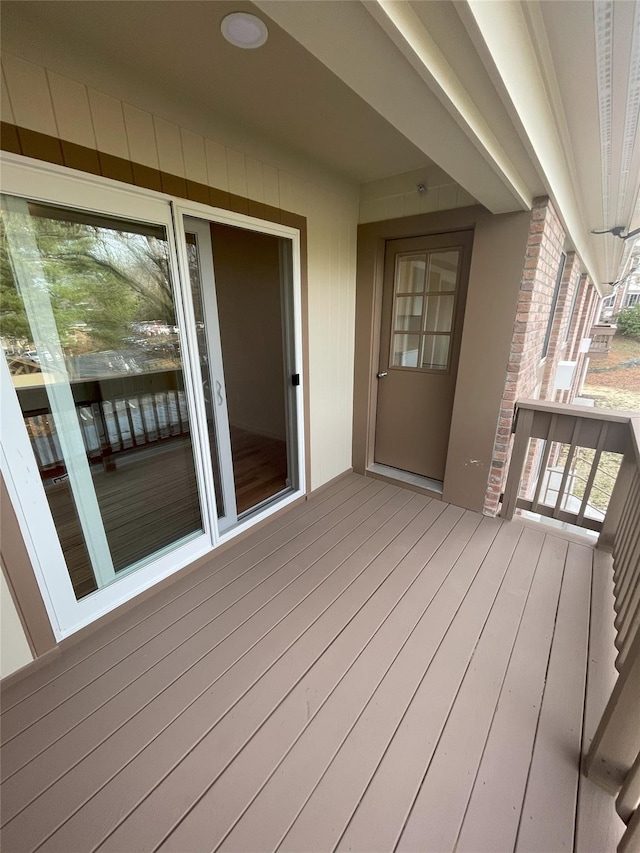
{"x": 382, "y": 374}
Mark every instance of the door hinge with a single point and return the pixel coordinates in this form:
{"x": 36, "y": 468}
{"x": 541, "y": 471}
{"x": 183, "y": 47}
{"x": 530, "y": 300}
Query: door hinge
{"x": 295, "y": 379}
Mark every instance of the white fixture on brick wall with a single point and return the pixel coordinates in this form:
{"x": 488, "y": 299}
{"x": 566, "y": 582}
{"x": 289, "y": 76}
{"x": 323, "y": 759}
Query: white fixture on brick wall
{"x": 564, "y": 375}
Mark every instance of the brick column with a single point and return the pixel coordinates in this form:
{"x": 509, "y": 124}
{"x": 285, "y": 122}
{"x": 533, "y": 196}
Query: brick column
{"x": 537, "y": 285}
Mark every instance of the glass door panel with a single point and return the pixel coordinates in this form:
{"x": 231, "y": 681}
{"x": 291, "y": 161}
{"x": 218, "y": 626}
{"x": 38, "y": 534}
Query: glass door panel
{"x": 90, "y": 335}
{"x": 251, "y": 282}
{"x": 424, "y": 301}
{"x": 241, "y": 282}
{"x": 205, "y": 310}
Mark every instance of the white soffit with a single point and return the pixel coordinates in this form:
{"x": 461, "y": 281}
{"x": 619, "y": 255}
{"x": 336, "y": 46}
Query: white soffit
{"x": 355, "y": 47}
{"x": 595, "y": 49}
{"x": 407, "y": 29}
{"x": 569, "y": 73}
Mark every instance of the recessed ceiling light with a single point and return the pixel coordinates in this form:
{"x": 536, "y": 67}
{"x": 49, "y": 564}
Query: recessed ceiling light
{"x": 244, "y": 30}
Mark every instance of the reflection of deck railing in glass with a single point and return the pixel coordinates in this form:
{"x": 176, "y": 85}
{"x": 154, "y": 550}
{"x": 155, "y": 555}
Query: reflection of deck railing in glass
{"x": 115, "y": 415}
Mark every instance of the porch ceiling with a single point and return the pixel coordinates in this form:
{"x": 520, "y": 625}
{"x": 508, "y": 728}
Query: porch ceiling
{"x": 170, "y": 57}
{"x": 511, "y": 100}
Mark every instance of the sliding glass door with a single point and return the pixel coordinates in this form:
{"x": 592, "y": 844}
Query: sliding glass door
{"x": 94, "y": 354}
{"x": 243, "y": 296}
{"x": 150, "y": 382}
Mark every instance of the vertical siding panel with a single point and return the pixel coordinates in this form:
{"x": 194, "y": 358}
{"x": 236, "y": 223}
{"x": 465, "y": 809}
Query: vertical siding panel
{"x": 447, "y": 196}
{"x": 395, "y": 206}
{"x": 5, "y": 101}
{"x": 217, "y": 171}
{"x": 380, "y": 209}
{"x": 108, "y": 122}
{"x": 14, "y": 651}
{"x": 411, "y": 203}
{"x": 429, "y": 201}
{"x": 72, "y": 110}
{"x": 367, "y": 211}
{"x": 320, "y": 402}
{"x": 255, "y": 179}
{"x": 141, "y": 136}
{"x": 237, "y": 173}
{"x": 30, "y": 95}
{"x": 169, "y": 143}
{"x": 195, "y": 158}
{"x": 271, "y": 187}
{"x": 299, "y": 195}
{"x": 286, "y": 194}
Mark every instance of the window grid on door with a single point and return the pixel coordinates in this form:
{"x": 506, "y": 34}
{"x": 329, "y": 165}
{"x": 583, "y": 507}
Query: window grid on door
{"x": 424, "y": 298}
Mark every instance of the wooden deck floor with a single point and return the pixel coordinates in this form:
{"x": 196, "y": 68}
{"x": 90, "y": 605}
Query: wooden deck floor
{"x": 374, "y": 671}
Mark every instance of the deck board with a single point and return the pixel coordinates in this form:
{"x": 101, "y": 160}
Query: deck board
{"x": 547, "y": 821}
{"x": 366, "y": 672}
{"x": 500, "y": 782}
{"x": 448, "y": 779}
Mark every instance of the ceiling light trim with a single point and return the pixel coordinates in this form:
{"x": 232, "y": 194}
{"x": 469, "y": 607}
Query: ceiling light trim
{"x": 244, "y": 30}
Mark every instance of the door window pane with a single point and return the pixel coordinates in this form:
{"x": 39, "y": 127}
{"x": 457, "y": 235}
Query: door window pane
{"x": 435, "y": 353}
{"x": 405, "y": 350}
{"x": 90, "y": 335}
{"x": 408, "y": 314}
{"x": 439, "y": 313}
{"x": 410, "y": 270}
{"x": 443, "y": 271}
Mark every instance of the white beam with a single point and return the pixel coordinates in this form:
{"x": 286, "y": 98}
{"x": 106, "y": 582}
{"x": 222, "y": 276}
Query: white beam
{"x": 503, "y": 31}
{"x": 348, "y": 41}
{"x": 407, "y": 31}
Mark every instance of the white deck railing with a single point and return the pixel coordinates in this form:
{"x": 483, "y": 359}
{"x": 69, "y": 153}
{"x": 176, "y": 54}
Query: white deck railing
{"x": 614, "y": 757}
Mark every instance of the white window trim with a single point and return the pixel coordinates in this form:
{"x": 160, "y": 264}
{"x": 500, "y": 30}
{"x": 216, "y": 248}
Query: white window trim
{"x": 33, "y": 179}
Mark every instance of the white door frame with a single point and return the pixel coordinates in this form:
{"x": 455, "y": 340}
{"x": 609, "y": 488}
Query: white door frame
{"x": 32, "y": 179}
{"x": 295, "y": 400}
{"x": 218, "y": 390}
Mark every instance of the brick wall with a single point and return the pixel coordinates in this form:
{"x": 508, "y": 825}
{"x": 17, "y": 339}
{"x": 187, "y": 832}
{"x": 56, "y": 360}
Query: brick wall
{"x": 537, "y": 285}
{"x": 584, "y": 315}
{"x": 558, "y": 350}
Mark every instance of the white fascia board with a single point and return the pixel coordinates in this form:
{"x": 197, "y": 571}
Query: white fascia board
{"x": 406, "y": 30}
{"x": 353, "y": 45}
{"x": 504, "y": 31}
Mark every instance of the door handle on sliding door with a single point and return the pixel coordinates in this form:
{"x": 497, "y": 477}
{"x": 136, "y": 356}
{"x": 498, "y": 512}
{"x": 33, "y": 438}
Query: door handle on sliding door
{"x": 219, "y": 400}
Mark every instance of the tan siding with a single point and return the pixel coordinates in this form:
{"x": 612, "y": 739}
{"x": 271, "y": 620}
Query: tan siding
{"x": 14, "y": 649}
{"x": 278, "y": 179}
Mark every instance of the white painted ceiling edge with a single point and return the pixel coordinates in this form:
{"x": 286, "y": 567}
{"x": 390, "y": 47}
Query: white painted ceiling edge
{"x": 418, "y": 87}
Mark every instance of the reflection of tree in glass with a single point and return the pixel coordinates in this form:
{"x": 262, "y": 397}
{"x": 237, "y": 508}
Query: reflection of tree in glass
{"x": 100, "y": 280}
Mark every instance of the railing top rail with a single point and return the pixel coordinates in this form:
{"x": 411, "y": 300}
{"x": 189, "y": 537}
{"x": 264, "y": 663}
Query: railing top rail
{"x": 634, "y": 425}
{"x": 588, "y": 412}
